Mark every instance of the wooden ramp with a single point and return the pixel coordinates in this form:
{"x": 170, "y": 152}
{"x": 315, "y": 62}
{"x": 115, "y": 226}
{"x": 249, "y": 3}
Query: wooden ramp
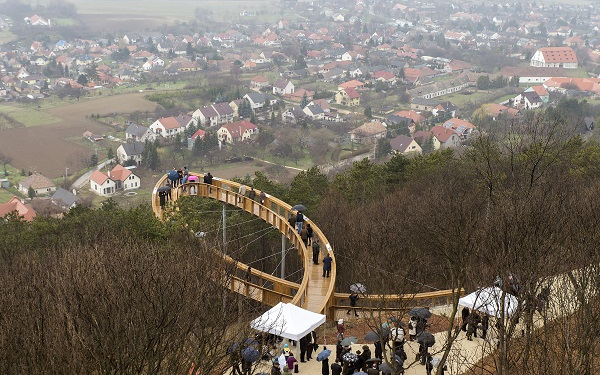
{"x": 314, "y": 293}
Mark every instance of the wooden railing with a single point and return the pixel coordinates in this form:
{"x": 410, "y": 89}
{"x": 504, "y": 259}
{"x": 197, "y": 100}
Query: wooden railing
{"x": 264, "y": 287}
{"x": 396, "y": 302}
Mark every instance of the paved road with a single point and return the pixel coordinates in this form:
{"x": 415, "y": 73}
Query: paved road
{"x": 81, "y": 181}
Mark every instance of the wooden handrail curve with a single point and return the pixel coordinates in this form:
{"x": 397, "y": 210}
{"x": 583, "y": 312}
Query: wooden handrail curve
{"x": 273, "y": 211}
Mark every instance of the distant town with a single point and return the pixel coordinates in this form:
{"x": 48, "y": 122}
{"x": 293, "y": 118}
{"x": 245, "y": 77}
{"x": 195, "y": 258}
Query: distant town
{"x": 326, "y": 84}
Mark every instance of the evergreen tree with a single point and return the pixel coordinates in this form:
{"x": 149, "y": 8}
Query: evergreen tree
{"x": 177, "y": 142}
{"x": 199, "y": 146}
{"x": 252, "y": 118}
{"x": 153, "y": 158}
{"x": 30, "y": 192}
{"x": 93, "y": 160}
{"x": 110, "y": 153}
{"x": 273, "y": 120}
{"x": 304, "y": 101}
{"x": 368, "y": 112}
{"x": 82, "y": 80}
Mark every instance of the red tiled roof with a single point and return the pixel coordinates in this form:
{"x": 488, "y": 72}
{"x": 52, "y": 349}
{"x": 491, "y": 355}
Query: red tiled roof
{"x": 351, "y": 84}
{"x": 169, "y": 122}
{"x": 558, "y": 54}
{"x": 441, "y": 133}
{"x": 352, "y": 93}
{"x": 99, "y": 177}
{"x": 119, "y": 173}
{"x": 15, "y": 204}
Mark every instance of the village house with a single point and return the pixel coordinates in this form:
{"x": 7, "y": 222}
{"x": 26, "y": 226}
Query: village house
{"x": 236, "y": 132}
{"x": 282, "y": 87}
{"x": 461, "y": 127}
{"x": 130, "y": 153}
{"x": 259, "y": 82}
{"x": 64, "y": 199}
{"x": 555, "y": 57}
{"x": 405, "y": 145}
{"x": 348, "y": 97}
{"x": 40, "y": 184}
{"x": 167, "y": 127}
{"x": 135, "y": 132}
{"x": 528, "y": 100}
{"x": 191, "y": 140}
{"x": 23, "y": 209}
{"x": 119, "y": 178}
{"x": 314, "y": 112}
{"x": 368, "y": 133}
{"x": 444, "y": 138}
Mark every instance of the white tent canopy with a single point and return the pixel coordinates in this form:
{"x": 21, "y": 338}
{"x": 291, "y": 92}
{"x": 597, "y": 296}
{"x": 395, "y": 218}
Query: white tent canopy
{"x": 289, "y": 321}
{"x": 488, "y": 300}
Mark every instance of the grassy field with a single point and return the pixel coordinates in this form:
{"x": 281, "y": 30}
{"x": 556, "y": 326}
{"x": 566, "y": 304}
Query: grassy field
{"x": 6, "y": 36}
{"x": 137, "y": 15}
{"x": 29, "y": 116}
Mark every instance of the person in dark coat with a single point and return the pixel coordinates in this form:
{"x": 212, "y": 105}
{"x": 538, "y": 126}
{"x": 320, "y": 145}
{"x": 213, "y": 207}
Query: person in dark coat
{"x": 275, "y": 370}
{"x": 473, "y": 321}
{"x": 310, "y": 347}
{"x": 372, "y": 370}
{"x": 429, "y": 365}
{"x": 465, "y": 317}
{"x": 315, "y": 251}
{"x": 299, "y": 220}
{"x": 327, "y": 265}
{"x": 365, "y": 355}
{"x": 325, "y": 366}
{"x": 310, "y": 231}
{"x": 338, "y": 351}
{"x": 303, "y": 348}
{"x": 378, "y": 350}
{"x": 353, "y": 299}
{"x": 485, "y": 325}
{"x": 208, "y": 178}
{"x": 336, "y": 369}
{"x": 162, "y": 196}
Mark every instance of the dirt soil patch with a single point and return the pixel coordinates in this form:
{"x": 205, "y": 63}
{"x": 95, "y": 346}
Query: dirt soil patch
{"x": 45, "y": 148}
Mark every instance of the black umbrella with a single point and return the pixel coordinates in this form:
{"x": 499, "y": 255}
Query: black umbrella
{"x": 426, "y": 338}
{"x": 371, "y": 360}
{"x": 372, "y": 336}
{"x": 386, "y": 369}
{"x": 164, "y": 188}
{"x": 173, "y": 175}
{"x": 421, "y": 312}
{"x": 299, "y": 207}
{"x": 250, "y": 354}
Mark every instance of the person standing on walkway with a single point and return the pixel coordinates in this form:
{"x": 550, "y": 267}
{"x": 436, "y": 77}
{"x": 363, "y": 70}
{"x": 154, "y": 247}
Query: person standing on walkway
{"x": 299, "y": 220}
{"x": 315, "y": 250}
{"x": 262, "y": 196}
{"x": 242, "y": 193}
{"x": 310, "y": 231}
{"x": 252, "y": 193}
{"x": 304, "y": 236}
{"x": 325, "y": 365}
{"x": 465, "y": 318}
{"x": 208, "y": 178}
{"x": 303, "y": 348}
{"x": 485, "y": 325}
{"x": 340, "y": 329}
{"x": 309, "y": 349}
{"x": 327, "y": 261}
{"x": 353, "y": 300}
